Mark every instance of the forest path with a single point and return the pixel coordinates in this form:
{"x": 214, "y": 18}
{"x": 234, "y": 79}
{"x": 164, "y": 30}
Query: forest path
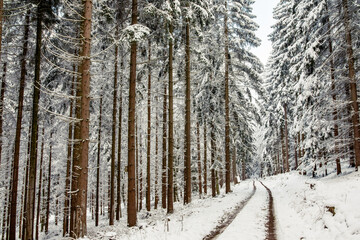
{"x": 252, "y": 219}
{"x": 229, "y": 218}
{"x": 270, "y": 225}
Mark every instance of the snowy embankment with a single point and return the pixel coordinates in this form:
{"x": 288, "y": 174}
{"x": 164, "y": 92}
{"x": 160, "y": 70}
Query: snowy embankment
{"x": 193, "y": 221}
{"x": 316, "y": 209}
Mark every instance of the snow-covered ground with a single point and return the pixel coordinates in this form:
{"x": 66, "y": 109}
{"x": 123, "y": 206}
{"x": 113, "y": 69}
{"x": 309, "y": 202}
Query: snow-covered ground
{"x": 301, "y": 208}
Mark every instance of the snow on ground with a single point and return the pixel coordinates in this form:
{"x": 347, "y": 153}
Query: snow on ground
{"x": 250, "y": 222}
{"x": 193, "y": 221}
{"x": 302, "y": 206}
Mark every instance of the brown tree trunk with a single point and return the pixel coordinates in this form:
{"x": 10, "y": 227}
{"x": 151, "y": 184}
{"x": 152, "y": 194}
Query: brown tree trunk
{"x": 187, "y": 155}
{"x": 213, "y": 150}
{"x": 118, "y": 207}
{"x": 283, "y": 150}
{"x": 80, "y": 166}
{"x": 299, "y": 145}
{"x": 286, "y": 140}
{"x": 141, "y": 173}
{"x": 170, "y": 194}
{"x": 2, "y": 96}
{"x": 205, "y": 160}
{"x": 243, "y": 169}
{"x": 148, "y": 149}
{"x": 199, "y": 156}
{"x": 353, "y": 87}
{"x": 15, "y": 174}
{"x": 234, "y": 166}
{"x": 137, "y": 166}
{"x": 98, "y": 167}
{"x": 164, "y": 167}
{"x": 227, "y": 114}
{"x": 156, "y": 158}
{"x": 40, "y": 186}
{"x": 48, "y": 188}
{"x": 68, "y": 162}
{"x": 30, "y": 207}
{"x": 295, "y": 153}
{"x": 113, "y": 140}
{"x": 24, "y": 195}
{"x": 131, "y": 128}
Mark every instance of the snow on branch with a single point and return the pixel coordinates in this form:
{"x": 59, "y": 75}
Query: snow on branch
{"x": 135, "y": 33}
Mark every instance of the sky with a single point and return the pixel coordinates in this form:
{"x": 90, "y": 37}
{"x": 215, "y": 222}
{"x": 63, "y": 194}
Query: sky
{"x": 263, "y": 10}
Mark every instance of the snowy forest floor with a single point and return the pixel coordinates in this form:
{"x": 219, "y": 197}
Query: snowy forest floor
{"x": 304, "y": 208}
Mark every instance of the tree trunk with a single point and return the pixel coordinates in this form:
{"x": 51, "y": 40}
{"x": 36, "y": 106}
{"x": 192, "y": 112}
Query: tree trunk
{"x": 199, "y": 156}
{"x": 137, "y": 166}
{"x": 283, "y": 150}
{"x": 156, "y": 158}
{"x": 353, "y": 87}
{"x": 295, "y": 153}
{"x": 30, "y": 207}
{"x": 113, "y": 140}
{"x": 163, "y": 174}
{"x": 213, "y": 150}
{"x": 40, "y": 186}
{"x": 2, "y": 96}
{"x": 98, "y": 166}
{"x": 69, "y": 161}
{"x": 187, "y": 156}
{"x": 48, "y": 188}
{"x": 205, "y": 160}
{"x": 243, "y": 170}
{"x": 15, "y": 175}
{"x": 118, "y": 208}
{"x": 24, "y": 195}
{"x": 148, "y": 176}
{"x": 80, "y": 166}
{"x": 227, "y": 114}
{"x": 170, "y": 194}
{"x": 131, "y": 129}
{"x": 286, "y": 140}
{"x": 234, "y": 166}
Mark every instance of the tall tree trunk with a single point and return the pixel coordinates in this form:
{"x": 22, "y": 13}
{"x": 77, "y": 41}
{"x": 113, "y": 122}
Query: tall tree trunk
{"x": 113, "y": 140}
{"x": 69, "y": 160}
{"x": 148, "y": 176}
{"x": 227, "y": 114}
{"x": 286, "y": 140}
{"x": 131, "y": 129}
{"x": 156, "y": 158}
{"x": 299, "y": 145}
{"x": 2, "y": 97}
{"x": 205, "y": 160}
{"x": 40, "y": 186}
{"x": 24, "y": 196}
{"x": 243, "y": 169}
{"x": 283, "y": 150}
{"x": 141, "y": 172}
{"x": 295, "y": 153}
{"x": 30, "y": 207}
{"x": 187, "y": 140}
{"x": 199, "y": 156}
{"x": 48, "y": 188}
{"x": 163, "y": 173}
{"x": 15, "y": 174}
{"x": 98, "y": 167}
{"x": 213, "y": 150}
{"x": 137, "y": 165}
{"x": 80, "y": 166}
{"x": 234, "y": 166}
{"x": 170, "y": 193}
{"x": 118, "y": 208}
{"x": 353, "y": 87}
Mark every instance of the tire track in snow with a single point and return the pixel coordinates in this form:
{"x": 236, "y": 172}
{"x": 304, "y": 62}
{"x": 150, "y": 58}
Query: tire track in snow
{"x": 229, "y": 217}
{"x": 270, "y": 225}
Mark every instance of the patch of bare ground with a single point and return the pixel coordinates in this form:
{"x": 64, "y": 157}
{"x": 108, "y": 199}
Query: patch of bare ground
{"x": 270, "y": 224}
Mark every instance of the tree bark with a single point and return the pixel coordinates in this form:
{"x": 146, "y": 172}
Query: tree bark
{"x": 156, "y": 158}
{"x": 148, "y": 163}
{"x": 68, "y": 162}
{"x": 80, "y": 167}
{"x": 131, "y": 129}
{"x": 286, "y": 140}
{"x": 40, "y": 186}
{"x": 187, "y": 155}
{"x": 118, "y": 208}
{"x": 163, "y": 174}
{"x": 48, "y": 188}
{"x": 199, "y": 156}
{"x": 113, "y": 140}
{"x": 353, "y": 87}
{"x": 205, "y": 160}
{"x": 98, "y": 166}
{"x": 234, "y": 166}
{"x": 170, "y": 208}
{"x": 30, "y": 207}
{"x": 15, "y": 175}
{"x": 227, "y": 114}
{"x": 213, "y": 150}
{"x": 2, "y": 97}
